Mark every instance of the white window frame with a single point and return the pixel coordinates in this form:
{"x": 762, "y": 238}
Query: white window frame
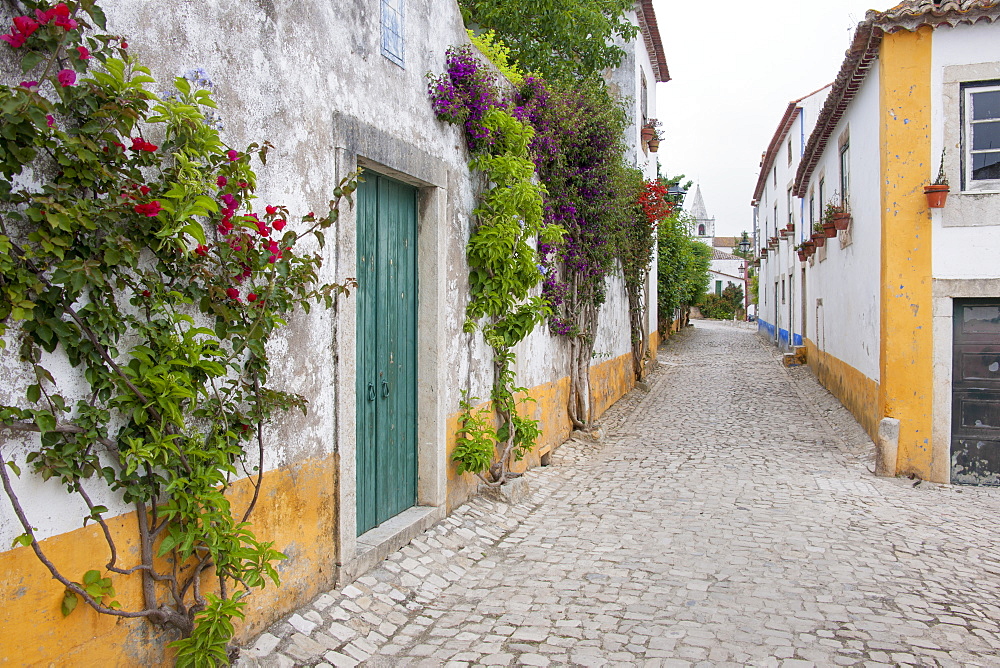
{"x": 392, "y": 33}
{"x": 968, "y": 90}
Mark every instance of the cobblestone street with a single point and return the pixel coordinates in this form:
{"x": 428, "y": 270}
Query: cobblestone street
{"x": 728, "y": 518}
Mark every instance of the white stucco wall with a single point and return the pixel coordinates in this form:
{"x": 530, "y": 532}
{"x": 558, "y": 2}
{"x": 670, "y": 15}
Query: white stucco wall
{"x": 310, "y": 78}
{"x": 966, "y": 232}
{"x": 845, "y": 274}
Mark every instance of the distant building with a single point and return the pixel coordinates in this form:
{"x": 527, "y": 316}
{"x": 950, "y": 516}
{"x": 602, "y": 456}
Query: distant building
{"x": 899, "y": 311}
{"x": 725, "y": 268}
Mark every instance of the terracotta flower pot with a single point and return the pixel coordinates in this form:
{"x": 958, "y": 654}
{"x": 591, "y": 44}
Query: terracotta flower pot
{"x": 830, "y": 229}
{"x": 819, "y": 239}
{"x": 803, "y": 254}
{"x": 647, "y": 133}
{"x": 842, "y": 220}
{"x": 784, "y": 234}
{"x": 936, "y": 195}
{"x": 654, "y": 145}
{"x": 790, "y": 227}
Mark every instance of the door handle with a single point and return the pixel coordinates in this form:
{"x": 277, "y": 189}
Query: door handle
{"x": 371, "y": 391}
{"x": 385, "y": 388}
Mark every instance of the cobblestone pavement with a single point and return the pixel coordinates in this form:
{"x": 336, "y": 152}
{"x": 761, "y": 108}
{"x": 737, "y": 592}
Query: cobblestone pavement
{"x": 729, "y": 518}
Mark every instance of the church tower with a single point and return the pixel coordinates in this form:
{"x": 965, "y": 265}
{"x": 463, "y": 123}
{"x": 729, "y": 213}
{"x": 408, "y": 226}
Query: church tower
{"x": 704, "y": 225}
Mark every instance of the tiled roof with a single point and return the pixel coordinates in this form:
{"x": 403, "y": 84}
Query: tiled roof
{"x": 861, "y": 55}
{"x": 912, "y": 14}
{"x": 784, "y": 127}
{"x": 725, "y": 242}
{"x": 651, "y": 36}
{"x": 722, "y": 255}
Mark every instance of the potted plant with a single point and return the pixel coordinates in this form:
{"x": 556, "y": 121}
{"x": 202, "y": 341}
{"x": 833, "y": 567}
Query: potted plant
{"x": 785, "y": 233}
{"x": 937, "y": 192}
{"x": 654, "y": 141}
{"x": 763, "y": 253}
{"x": 772, "y": 242}
{"x": 802, "y": 252}
{"x": 648, "y": 130}
{"x": 790, "y": 227}
{"x": 829, "y": 220}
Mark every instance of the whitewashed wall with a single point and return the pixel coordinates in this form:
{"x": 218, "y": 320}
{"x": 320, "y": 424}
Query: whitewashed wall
{"x": 847, "y": 276}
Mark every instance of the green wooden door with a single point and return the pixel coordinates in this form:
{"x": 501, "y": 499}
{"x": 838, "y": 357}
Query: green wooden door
{"x": 386, "y": 350}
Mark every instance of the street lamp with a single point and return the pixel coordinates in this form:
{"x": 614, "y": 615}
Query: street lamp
{"x": 744, "y": 246}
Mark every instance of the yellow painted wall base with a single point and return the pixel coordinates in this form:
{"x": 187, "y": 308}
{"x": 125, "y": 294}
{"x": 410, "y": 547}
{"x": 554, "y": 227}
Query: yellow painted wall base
{"x": 856, "y": 391}
{"x": 296, "y": 511}
{"x": 609, "y": 382}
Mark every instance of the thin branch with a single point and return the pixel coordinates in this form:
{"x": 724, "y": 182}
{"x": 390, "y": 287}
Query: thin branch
{"x": 61, "y": 428}
{"x": 154, "y": 615}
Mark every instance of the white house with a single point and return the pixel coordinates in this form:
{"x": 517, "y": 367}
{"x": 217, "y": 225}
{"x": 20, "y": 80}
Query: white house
{"x": 899, "y": 312}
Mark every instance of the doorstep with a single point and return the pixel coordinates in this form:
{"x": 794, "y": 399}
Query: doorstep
{"x": 395, "y": 533}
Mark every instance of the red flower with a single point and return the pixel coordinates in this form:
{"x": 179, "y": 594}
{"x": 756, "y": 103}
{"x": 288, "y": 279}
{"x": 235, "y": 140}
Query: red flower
{"x": 124, "y": 44}
{"x": 273, "y": 247}
{"x": 140, "y": 144}
{"x": 66, "y": 24}
{"x": 50, "y": 120}
{"x": 278, "y": 224}
{"x": 146, "y": 293}
{"x": 271, "y": 210}
{"x": 144, "y": 190}
{"x": 150, "y": 210}
{"x": 84, "y": 52}
{"x": 263, "y": 230}
{"x": 66, "y": 78}
{"x": 251, "y": 297}
{"x": 201, "y": 250}
{"x": 15, "y": 39}
{"x": 25, "y": 25}
{"x": 232, "y": 155}
{"x": 233, "y": 293}
{"x": 222, "y": 181}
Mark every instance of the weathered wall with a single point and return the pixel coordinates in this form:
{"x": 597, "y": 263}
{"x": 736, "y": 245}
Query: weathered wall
{"x": 309, "y": 77}
{"x": 842, "y": 278}
{"x": 906, "y": 379}
{"x": 965, "y": 232}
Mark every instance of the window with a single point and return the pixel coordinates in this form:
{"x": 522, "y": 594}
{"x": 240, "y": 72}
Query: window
{"x": 845, "y": 171}
{"x": 782, "y": 289}
{"x": 791, "y": 209}
{"x": 812, "y": 209}
{"x": 392, "y": 30}
{"x": 644, "y": 98}
{"x": 822, "y": 194}
{"x": 701, "y": 230}
{"x": 774, "y": 176}
{"x": 789, "y": 151}
{"x": 718, "y": 288}
{"x": 982, "y": 136}
{"x": 776, "y": 218}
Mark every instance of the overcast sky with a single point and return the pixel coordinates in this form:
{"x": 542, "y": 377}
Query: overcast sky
{"x": 735, "y": 66}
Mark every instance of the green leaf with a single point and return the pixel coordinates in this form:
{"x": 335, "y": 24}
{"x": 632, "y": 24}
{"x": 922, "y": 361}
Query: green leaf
{"x": 30, "y": 60}
{"x": 24, "y": 540}
{"x": 91, "y": 577}
{"x": 97, "y": 14}
{"x": 14, "y": 467}
{"x": 69, "y": 602}
{"x": 34, "y": 393}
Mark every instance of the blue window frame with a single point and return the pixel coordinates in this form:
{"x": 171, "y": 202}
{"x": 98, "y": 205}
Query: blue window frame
{"x": 392, "y": 31}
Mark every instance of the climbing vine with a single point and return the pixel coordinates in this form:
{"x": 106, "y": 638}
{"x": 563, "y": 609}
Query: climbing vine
{"x": 131, "y": 249}
{"x": 579, "y": 155}
{"x": 636, "y": 246}
{"x": 503, "y": 264}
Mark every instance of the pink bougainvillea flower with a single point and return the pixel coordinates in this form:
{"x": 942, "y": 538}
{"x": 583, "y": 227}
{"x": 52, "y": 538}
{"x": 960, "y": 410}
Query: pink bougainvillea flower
{"x": 273, "y": 258}
{"x": 271, "y": 210}
{"x": 25, "y": 25}
{"x": 201, "y": 250}
{"x": 228, "y": 199}
{"x": 144, "y": 190}
{"x": 140, "y": 144}
{"x": 50, "y": 120}
{"x": 263, "y": 230}
{"x": 273, "y": 247}
{"x": 15, "y": 39}
{"x": 251, "y": 297}
{"x": 150, "y": 210}
{"x": 221, "y": 181}
{"x": 66, "y": 24}
{"x": 244, "y": 184}
{"x": 233, "y": 293}
{"x": 66, "y": 78}
{"x": 30, "y": 85}
{"x": 278, "y": 224}
{"x": 84, "y": 52}
{"x": 232, "y": 155}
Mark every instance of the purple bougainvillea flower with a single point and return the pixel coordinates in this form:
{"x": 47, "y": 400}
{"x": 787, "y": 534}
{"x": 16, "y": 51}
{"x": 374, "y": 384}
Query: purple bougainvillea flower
{"x": 50, "y": 120}
{"x": 232, "y": 155}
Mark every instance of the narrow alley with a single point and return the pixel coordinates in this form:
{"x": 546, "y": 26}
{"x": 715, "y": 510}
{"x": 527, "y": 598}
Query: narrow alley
{"x": 728, "y": 518}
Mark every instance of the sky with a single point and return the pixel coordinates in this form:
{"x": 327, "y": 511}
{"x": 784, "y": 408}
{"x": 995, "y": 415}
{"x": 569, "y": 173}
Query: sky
{"x": 734, "y": 68}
